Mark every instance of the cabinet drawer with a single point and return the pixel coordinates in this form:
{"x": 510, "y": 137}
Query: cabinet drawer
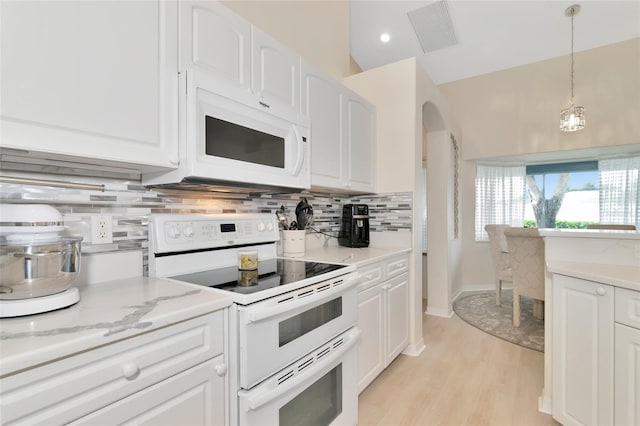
{"x": 627, "y": 307}
{"x": 396, "y": 266}
{"x": 370, "y": 275}
{"x": 65, "y": 390}
{"x": 194, "y": 397}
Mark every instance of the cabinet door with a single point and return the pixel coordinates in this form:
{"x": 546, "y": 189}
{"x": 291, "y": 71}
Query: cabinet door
{"x": 322, "y": 103}
{"x": 627, "y": 375}
{"x": 359, "y": 134}
{"x": 217, "y": 40}
{"x": 275, "y": 76}
{"x": 371, "y": 319}
{"x": 91, "y": 82}
{"x": 194, "y": 397}
{"x": 582, "y": 351}
{"x": 397, "y": 316}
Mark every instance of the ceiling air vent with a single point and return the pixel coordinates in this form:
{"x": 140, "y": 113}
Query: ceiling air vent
{"x": 433, "y": 26}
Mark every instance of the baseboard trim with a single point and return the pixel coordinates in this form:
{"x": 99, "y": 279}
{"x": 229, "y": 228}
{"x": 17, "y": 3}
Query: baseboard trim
{"x": 444, "y": 313}
{"x": 414, "y": 350}
{"x": 544, "y": 405}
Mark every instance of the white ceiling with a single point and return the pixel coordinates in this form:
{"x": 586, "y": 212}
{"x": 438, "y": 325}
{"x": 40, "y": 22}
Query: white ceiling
{"x": 492, "y": 35}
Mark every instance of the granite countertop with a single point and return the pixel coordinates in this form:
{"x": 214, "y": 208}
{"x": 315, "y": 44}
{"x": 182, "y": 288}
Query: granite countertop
{"x": 107, "y": 312}
{"x": 352, "y": 256}
{"x": 624, "y": 276}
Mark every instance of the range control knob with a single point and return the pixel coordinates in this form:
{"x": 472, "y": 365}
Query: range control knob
{"x": 188, "y": 231}
{"x": 173, "y": 232}
{"x": 261, "y": 226}
{"x": 269, "y": 226}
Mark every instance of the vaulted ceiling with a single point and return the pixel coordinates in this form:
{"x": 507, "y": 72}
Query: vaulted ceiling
{"x": 469, "y": 38}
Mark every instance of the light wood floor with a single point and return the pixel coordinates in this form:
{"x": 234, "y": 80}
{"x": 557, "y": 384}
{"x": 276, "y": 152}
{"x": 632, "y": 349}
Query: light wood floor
{"x": 463, "y": 377}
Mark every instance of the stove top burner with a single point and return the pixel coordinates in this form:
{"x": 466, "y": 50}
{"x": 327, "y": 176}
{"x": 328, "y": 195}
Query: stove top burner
{"x": 270, "y": 273}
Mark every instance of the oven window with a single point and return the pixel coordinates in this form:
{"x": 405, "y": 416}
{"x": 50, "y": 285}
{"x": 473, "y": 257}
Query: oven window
{"x": 229, "y": 140}
{"x": 319, "y": 404}
{"x": 299, "y": 325}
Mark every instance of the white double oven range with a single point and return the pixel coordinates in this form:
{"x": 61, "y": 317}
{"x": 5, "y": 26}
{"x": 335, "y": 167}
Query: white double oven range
{"x": 292, "y": 326}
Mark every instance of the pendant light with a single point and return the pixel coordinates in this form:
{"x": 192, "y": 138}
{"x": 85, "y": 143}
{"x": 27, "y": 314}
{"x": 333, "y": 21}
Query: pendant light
{"x": 572, "y": 118}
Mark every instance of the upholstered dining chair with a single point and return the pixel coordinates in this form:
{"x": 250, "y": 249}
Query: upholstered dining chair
{"x": 612, "y": 226}
{"x": 500, "y": 257}
{"x": 526, "y": 253}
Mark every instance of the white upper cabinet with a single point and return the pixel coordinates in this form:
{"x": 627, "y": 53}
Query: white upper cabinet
{"x": 342, "y": 134}
{"x": 322, "y": 102}
{"x": 217, "y": 40}
{"x": 275, "y": 75}
{"x": 359, "y": 128}
{"x": 92, "y": 82}
{"x": 249, "y": 65}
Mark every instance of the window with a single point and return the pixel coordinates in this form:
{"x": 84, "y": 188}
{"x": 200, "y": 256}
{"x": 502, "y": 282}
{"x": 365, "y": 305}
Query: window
{"x": 559, "y": 195}
{"x": 562, "y": 195}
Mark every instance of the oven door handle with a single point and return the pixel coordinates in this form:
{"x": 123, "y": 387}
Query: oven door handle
{"x": 260, "y": 314}
{"x": 308, "y": 376}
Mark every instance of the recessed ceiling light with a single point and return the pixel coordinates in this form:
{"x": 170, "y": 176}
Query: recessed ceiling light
{"x": 385, "y": 37}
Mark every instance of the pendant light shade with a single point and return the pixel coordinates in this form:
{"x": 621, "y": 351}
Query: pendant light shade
{"x": 572, "y": 118}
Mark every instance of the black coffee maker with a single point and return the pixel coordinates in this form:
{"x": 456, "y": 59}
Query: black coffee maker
{"x": 354, "y": 231}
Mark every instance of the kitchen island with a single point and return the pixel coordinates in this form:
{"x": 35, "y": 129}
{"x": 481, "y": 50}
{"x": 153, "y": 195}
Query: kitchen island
{"x": 592, "y": 303}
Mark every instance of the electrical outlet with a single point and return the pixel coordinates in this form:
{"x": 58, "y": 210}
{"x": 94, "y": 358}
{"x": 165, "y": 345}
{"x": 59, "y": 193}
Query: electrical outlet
{"x": 101, "y": 229}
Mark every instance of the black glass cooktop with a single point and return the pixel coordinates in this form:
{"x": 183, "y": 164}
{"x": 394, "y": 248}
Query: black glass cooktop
{"x": 270, "y": 273}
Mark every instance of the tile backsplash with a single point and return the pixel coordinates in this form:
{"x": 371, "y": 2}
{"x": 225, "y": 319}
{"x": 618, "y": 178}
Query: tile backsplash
{"x": 129, "y": 204}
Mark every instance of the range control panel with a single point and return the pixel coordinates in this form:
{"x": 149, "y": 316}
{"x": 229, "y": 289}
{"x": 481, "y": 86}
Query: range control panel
{"x": 176, "y": 232}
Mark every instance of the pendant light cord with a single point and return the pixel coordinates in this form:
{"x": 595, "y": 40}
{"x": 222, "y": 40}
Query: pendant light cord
{"x": 573, "y": 12}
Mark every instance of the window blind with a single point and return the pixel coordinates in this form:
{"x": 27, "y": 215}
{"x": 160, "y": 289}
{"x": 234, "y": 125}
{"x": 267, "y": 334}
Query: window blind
{"x": 620, "y": 191}
{"x": 500, "y": 197}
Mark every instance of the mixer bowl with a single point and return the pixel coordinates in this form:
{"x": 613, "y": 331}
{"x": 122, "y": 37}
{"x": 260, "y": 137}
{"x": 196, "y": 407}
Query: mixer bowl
{"x": 38, "y": 268}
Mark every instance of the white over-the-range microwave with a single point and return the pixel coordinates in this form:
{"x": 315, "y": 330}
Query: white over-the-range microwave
{"x": 227, "y": 142}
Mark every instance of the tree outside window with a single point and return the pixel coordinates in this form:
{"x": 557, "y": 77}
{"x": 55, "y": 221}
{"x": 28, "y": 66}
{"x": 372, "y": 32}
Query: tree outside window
{"x": 562, "y": 195}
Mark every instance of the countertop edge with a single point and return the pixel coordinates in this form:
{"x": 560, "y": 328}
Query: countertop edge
{"x": 616, "y": 275}
{"x": 200, "y": 302}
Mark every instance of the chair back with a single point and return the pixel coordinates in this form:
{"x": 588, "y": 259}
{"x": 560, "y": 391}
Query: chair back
{"x": 499, "y": 250}
{"x": 526, "y": 250}
{"x": 612, "y": 226}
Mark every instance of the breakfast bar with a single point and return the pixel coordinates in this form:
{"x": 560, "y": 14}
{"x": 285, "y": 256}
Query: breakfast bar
{"x": 592, "y": 300}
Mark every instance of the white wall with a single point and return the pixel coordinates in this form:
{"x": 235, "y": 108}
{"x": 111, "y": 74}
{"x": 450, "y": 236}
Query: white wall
{"x": 399, "y": 91}
{"x": 317, "y": 30}
{"x": 516, "y": 112}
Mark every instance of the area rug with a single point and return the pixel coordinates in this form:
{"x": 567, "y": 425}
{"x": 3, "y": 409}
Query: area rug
{"x": 479, "y": 309}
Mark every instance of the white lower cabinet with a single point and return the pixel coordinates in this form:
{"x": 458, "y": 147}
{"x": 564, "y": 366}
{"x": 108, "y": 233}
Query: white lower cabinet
{"x": 596, "y": 353}
{"x": 582, "y": 351}
{"x": 383, "y": 317}
{"x": 627, "y": 375}
{"x": 173, "y": 375}
{"x": 193, "y": 397}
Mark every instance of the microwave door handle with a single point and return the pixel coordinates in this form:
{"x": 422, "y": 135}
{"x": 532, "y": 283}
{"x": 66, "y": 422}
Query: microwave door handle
{"x": 300, "y": 157}
{"x": 307, "y": 376}
{"x": 260, "y": 314}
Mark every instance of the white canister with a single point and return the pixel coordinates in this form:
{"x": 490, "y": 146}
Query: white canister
{"x": 293, "y": 243}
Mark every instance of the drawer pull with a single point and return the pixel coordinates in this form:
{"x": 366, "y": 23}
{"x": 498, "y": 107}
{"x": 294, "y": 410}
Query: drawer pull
{"x": 221, "y": 370}
{"x": 130, "y": 370}
{"x": 601, "y": 291}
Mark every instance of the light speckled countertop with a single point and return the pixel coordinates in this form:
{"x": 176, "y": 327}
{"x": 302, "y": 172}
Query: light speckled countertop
{"x": 591, "y": 233}
{"x": 352, "y": 256}
{"x": 106, "y": 312}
